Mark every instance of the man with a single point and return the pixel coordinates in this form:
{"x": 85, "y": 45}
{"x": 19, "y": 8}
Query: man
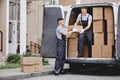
{"x": 61, "y": 46}
{"x": 85, "y": 20}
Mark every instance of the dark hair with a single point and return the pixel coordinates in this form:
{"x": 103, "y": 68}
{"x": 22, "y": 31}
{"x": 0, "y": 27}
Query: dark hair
{"x": 59, "y": 19}
{"x": 84, "y": 7}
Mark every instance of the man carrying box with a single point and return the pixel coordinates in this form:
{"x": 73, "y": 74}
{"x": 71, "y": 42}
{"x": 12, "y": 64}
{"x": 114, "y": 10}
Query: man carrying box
{"x": 61, "y": 34}
{"x": 85, "y": 20}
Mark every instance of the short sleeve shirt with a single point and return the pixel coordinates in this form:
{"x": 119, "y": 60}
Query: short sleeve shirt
{"x": 59, "y": 31}
{"x": 84, "y": 18}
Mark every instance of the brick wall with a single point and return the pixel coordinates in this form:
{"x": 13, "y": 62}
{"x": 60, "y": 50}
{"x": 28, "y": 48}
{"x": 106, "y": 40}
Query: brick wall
{"x": 67, "y": 2}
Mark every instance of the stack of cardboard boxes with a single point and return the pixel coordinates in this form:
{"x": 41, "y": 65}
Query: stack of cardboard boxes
{"x": 31, "y": 64}
{"x": 103, "y": 32}
{"x": 73, "y": 43}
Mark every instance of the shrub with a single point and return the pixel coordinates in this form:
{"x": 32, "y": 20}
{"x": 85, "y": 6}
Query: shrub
{"x": 27, "y": 54}
{"x": 13, "y": 58}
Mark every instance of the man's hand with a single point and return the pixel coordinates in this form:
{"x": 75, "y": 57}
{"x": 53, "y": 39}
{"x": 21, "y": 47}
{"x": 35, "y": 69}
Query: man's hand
{"x": 82, "y": 31}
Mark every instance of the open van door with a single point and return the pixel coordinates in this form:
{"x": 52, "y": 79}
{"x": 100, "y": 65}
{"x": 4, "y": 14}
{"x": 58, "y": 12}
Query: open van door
{"x": 50, "y": 16}
{"x": 118, "y": 36}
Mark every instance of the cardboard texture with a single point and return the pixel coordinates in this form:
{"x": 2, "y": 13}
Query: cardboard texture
{"x": 27, "y": 68}
{"x": 36, "y": 65}
{"x": 97, "y": 13}
{"x": 85, "y": 54}
{"x": 72, "y": 54}
{"x": 72, "y": 47}
{"x": 106, "y": 51}
{"x": 98, "y": 38}
{"x": 98, "y": 26}
{"x": 73, "y": 41}
{"x": 108, "y": 13}
{"x": 110, "y": 38}
{"x": 74, "y": 35}
{"x": 38, "y": 60}
{"x": 70, "y": 28}
{"x": 110, "y": 26}
{"x": 27, "y": 60}
{"x": 96, "y": 51}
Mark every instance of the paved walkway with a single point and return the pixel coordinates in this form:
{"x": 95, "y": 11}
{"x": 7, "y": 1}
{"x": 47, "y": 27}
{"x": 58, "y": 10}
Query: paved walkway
{"x": 15, "y": 74}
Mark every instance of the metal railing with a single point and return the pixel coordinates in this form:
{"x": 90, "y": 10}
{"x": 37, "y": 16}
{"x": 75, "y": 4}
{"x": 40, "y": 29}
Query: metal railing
{"x": 1, "y": 41}
{"x": 35, "y": 48}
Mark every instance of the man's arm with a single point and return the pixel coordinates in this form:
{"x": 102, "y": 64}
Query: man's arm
{"x": 67, "y": 34}
{"x": 89, "y": 25}
{"x": 76, "y": 23}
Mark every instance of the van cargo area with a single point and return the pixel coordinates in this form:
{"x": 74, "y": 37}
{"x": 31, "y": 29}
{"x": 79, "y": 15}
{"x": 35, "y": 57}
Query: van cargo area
{"x": 103, "y": 46}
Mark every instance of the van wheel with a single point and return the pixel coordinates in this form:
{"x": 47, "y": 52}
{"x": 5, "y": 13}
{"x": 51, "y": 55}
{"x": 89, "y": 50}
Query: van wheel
{"x": 75, "y": 67}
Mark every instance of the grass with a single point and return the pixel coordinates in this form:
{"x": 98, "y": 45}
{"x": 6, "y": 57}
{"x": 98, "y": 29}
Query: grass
{"x": 9, "y": 66}
{"x": 45, "y": 62}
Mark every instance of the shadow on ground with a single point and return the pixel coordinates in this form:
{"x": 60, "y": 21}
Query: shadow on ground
{"x": 99, "y": 71}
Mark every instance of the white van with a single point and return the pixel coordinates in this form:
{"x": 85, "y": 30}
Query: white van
{"x": 52, "y": 13}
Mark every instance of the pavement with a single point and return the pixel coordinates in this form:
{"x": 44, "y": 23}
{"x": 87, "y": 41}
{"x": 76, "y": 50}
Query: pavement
{"x": 16, "y": 74}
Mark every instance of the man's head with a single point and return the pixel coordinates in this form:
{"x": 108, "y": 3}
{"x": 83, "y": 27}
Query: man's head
{"x": 83, "y": 10}
{"x": 60, "y": 21}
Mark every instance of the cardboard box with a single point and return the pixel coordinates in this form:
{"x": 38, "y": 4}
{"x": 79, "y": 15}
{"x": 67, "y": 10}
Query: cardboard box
{"x": 74, "y": 35}
{"x": 110, "y": 26}
{"x": 27, "y": 68}
{"x": 72, "y": 54}
{"x": 97, "y": 13}
{"x": 38, "y": 60}
{"x": 85, "y": 54}
{"x": 110, "y": 39}
{"x": 108, "y": 13}
{"x": 98, "y": 26}
{"x": 98, "y": 38}
{"x": 38, "y": 67}
{"x": 70, "y": 28}
{"x": 106, "y": 51}
{"x": 72, "y": 47}
{"x": 27, "y": 60}
{"x": 73, "y": 41}
{"x": 96, "y": 51}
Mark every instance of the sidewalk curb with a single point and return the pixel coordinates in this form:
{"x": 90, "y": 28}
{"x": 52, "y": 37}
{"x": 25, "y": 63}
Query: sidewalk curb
{"x": 27, "y": 75}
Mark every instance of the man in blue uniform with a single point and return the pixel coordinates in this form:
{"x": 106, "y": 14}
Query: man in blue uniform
{"x": 61, "y": 34}
{"x": 85, "y": 20}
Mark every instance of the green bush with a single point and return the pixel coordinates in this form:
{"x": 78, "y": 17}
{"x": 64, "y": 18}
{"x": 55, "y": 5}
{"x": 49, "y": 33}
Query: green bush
{"x": 13, "y": 58}
{"x": 27, "y": 54}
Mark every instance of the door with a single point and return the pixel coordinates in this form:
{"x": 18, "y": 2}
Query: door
{"x": 118, "y": 35}
{"x": 50, "y": 16}
{"x": 12, "y": 37}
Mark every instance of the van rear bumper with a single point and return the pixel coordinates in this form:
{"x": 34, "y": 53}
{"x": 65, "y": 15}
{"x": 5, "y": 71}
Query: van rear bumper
{"x": 92, "y": 60}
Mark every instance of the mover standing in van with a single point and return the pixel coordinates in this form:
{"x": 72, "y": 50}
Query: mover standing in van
{"x": 61, "y": 34}
{"x": 85, "y": 20}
